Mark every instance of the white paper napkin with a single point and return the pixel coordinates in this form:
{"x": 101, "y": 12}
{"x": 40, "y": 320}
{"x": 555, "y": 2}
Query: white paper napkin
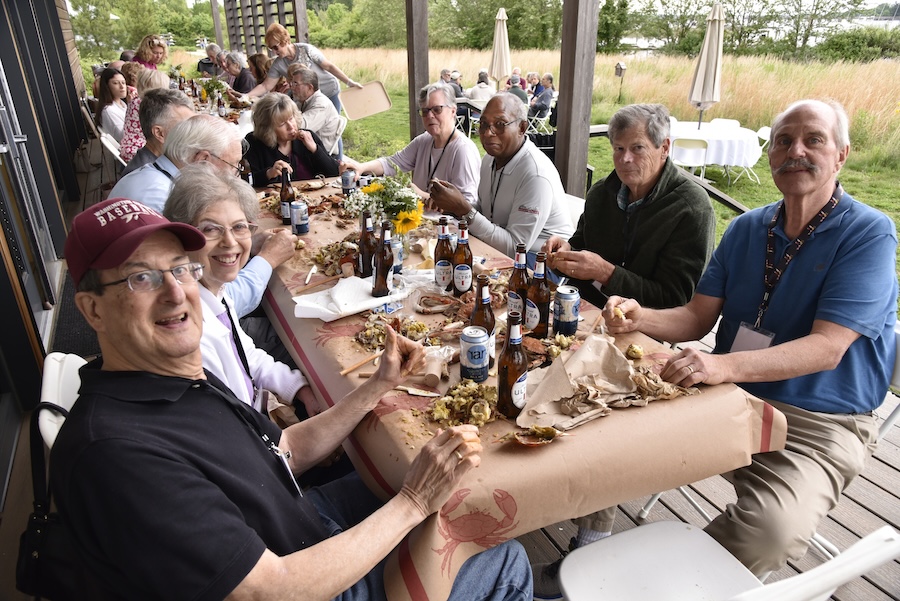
{"x": 353, "y": 295}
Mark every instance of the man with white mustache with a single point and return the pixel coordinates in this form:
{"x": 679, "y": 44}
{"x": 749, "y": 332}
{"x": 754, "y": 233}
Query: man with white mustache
{"x": 807, "y": 291}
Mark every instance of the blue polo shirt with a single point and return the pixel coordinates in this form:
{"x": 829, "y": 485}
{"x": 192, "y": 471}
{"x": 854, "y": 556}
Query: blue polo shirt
{"x": 845, "y": 274}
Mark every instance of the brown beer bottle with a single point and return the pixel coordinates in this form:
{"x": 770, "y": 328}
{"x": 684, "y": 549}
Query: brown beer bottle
{"x": 483, "y": 315}
{"x": 518, "y": 282}
{"x": 512, "y": 369}
{"x": 287, "y": 197}
{"x": 537, "y": 305}
{"x": 443, "y": 257}
{"x": 462, "y": 262}
{"x": 384, "y": 263}
{"x": 368, "y": 246}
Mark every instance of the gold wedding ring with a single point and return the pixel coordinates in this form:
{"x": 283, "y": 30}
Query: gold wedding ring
{"x": 458, "y": 455}
{"x": 691, "y": 368}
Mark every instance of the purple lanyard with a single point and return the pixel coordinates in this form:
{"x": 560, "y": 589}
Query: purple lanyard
{"x": 774, "y": 271}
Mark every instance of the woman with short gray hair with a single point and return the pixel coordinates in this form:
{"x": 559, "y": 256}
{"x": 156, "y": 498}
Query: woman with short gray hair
{"x": 277, "y": 143}
{"x": 224, "y": 209}
{"x": 442, "y": 152}
{"x": 236, "y": 66}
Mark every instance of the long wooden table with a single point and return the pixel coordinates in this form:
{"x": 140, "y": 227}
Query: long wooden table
{"x": 630, "y": 453}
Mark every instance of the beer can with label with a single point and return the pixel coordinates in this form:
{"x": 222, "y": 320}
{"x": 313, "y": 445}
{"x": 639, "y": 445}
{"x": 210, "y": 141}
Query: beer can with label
{"x": 397, "y": 248}
{"x": 299, "y": 217}
{"x": 565, "y": 310}
{"x": 348, "y": 181}
{"x": 474, "y": 356}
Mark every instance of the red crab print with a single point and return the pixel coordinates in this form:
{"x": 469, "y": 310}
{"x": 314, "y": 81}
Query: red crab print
{"x": 398, "y": 402}
{"x": 477, "y": 526}
{"x": 332, "y": 330}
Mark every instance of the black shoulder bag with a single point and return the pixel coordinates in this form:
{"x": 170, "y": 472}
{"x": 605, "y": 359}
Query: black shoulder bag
{"x": 48, "y": 566}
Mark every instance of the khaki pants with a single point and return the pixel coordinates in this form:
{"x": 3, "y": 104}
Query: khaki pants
{"x": 783, "y": 495}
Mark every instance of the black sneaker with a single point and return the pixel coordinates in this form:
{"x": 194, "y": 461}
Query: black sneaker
{"x": 546, "y": 578}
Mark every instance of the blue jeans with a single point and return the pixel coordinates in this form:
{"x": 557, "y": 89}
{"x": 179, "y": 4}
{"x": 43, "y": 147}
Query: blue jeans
{"x": 501, "y": 573}
{"x": 336, "y": 101}
{"x": 552, "y": 276}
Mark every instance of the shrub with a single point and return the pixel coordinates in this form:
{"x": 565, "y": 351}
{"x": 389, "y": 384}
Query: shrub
{"x": 865, "y": 44}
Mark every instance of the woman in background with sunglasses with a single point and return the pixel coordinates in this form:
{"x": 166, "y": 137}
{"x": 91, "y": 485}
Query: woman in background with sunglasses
{"x": 152, "y": 52}
{"x": 442, "y": 152}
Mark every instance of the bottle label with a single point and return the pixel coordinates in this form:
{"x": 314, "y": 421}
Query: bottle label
{"x": 520, "y": 260}
{"x": 492, "y": 344}
{"x": 369, "y": 226}
{"x": 539, "y": 270}
{"x": 518, "y": 391}
{"x": 285, "y": 209}
{"x": 532, "y": 315}
{"x": 514, "y": 302}
{"x": 462, "y": 277}
{"x": 443, "y": 273}
{"x": 515, "y": 334}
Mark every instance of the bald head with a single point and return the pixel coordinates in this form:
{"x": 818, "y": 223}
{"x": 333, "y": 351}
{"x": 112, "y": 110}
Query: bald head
{"x": 830, "y": 107}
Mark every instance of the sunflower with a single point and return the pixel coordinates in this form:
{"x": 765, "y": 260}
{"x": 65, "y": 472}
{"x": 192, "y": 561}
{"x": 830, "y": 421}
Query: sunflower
{"x": 407, "y": 221}
{"x": 373, "y": 187}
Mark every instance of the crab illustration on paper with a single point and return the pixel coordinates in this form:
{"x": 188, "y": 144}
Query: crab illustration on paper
{"x": 478, "y": 526}
{"x": 332, "y": 330}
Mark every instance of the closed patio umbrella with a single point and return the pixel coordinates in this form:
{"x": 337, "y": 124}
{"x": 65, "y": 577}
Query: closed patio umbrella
{"x": 501, "y": 64}
{"x": 705, "y": 88}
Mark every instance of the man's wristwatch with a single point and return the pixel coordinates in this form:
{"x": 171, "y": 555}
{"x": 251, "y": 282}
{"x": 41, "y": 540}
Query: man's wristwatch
{"x": 471, "y": 214}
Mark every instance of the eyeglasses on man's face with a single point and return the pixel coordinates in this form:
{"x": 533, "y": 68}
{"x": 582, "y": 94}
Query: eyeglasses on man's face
{"x": 497, "y": 127}
{"x": 437, "y": 110}
{"x": 237, "y": 168}
{"x": 241, "y": 230}
{"x": 151, "y": 279}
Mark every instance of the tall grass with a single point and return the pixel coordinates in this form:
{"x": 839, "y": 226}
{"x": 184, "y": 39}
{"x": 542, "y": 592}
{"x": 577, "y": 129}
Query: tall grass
{"x": 754, "y": 89}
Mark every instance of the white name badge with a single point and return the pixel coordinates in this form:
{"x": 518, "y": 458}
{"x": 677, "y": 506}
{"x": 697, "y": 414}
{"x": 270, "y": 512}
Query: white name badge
{"x": 751, "y": 339}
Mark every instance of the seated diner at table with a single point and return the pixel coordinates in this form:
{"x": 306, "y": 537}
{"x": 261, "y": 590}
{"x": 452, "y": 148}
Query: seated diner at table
{"x": 112, "y": 107}
{"x": 161, "y": 109}
{"x": 225, "y": 209}
{"x": 442, "y": 152}
{"x": 133, "y": 136}
{"x": 237, "y": 67}
{"x": 277, "y": 143}
{"x": 152, "y": 52}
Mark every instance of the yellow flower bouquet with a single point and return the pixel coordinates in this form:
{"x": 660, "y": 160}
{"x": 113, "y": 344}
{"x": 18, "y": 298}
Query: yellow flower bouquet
{"x": 390, "y": 197}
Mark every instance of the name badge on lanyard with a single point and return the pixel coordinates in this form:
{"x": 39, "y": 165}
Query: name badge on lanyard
{"x": 751, "y": 338}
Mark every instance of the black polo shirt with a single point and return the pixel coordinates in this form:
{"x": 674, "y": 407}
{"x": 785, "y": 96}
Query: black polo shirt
{"x": 170, "y": 493}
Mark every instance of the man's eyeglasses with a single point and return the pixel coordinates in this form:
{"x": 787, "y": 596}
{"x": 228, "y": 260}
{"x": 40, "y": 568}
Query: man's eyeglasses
{"x": 497, "y": 127}
{"x": 237, "y": 169}
{"x": 146, "y": 281}
{"x": 437, "y": 110}
{"x": 241, "y": 230}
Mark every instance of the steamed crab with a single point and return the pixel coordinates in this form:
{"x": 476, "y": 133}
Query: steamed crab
{"x": 477, "y": 526}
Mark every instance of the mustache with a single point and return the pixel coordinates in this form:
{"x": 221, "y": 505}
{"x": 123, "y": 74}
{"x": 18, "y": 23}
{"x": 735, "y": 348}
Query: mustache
{"x": 794, "y": 163}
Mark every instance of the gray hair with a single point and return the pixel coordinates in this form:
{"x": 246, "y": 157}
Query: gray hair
{"x": 238, "y": 58}
{"x": 197, "y": 134}
{"x": 269, "y": 110}
{"x": 307, "y": 75}
{"x": 445, "y": 72}
{"x": 151, "y": 79}
{"x": 511, "y": 103}
{"x": 432, "y": 88}
{"x": 654, "y": 118}
{"x": 156, "y": 107}
{"x": 213, "y": 48}
{"x": 841, "y": 121}
{"x": 199, "y": 186}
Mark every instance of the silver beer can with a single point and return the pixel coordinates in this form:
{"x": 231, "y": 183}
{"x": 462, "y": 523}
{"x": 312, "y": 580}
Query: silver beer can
{"x": 299, "y": 217}
{"x": 348, "y": 181}
{"x": 566, "y": 308}
{"x": 474, "y": 356}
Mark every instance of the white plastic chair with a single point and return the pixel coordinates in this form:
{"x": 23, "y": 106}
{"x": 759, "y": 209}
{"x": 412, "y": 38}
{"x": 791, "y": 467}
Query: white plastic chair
{"x": 763, "y": 133}
{"x": 112, "y": 146}
{"x": 539, "y": 125}
{"x": 340, "y": 131}
{"x": 669, "y": 561}
{"x": 59, "y": 385}
{"x": 575, "y": 206}
{"x": 690, "y": 153}
{"x": 821, "y": 544}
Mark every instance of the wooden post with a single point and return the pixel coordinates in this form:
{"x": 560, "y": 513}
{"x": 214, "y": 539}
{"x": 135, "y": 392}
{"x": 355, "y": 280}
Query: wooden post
{"x": 579, "y": 50}
{"x": 217, "y": 22}
{"x": 417, "y": 59}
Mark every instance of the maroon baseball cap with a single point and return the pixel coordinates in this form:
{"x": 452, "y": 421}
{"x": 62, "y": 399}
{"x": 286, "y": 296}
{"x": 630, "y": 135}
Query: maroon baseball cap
{"x": 106, "y": 234}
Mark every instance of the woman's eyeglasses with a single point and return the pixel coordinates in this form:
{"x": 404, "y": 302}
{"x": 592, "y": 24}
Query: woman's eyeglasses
{"x": 437, "y": 110}
{"x": 241, "y": 230}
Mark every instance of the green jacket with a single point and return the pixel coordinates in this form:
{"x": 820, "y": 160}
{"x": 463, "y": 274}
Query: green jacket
{"x": 659, "y": 250}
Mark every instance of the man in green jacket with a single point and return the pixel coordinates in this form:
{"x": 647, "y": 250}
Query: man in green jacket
{"x": 647, "y": 231}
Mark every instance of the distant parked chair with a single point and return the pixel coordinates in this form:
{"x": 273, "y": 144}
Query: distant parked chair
{"x": 764, "y": 132}
{"x": 669, "y": 561}
{"x": 690, "y": 153}
{"x": 575, "y": 206}
{"x": 340, "y": 131}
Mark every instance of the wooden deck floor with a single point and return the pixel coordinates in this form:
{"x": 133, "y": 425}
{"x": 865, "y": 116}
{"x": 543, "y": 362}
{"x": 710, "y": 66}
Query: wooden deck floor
{"x": 872, "y": 501}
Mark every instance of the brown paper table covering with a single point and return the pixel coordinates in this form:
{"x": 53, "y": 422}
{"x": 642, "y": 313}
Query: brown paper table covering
{"x": 631, "y": 453}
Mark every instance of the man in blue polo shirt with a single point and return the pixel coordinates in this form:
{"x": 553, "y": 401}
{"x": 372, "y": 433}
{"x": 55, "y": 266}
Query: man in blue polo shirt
{"x": 807, "y": 291}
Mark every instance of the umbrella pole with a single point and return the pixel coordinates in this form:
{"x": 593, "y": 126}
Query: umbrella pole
{"x": 700, "y": 120}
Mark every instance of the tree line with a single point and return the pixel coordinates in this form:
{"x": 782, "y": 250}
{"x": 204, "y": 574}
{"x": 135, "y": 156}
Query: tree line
{"x": 786, "y": 28}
